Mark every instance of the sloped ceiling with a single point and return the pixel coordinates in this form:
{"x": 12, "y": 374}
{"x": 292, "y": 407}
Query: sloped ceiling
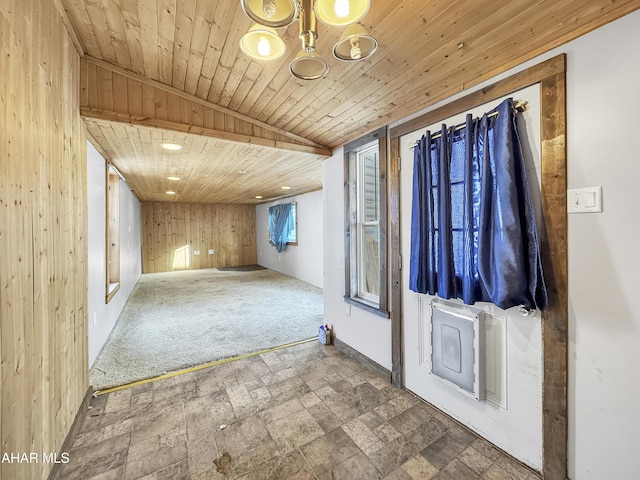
{"x": 188, "y": 49}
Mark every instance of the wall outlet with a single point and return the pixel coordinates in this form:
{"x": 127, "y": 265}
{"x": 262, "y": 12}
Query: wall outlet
{"x": 347, "y": 310}
{"x": 196, "y": 252}
{"x": 211, "y": 251}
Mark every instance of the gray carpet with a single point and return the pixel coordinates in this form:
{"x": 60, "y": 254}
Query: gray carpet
{"x": 177, "y": 320}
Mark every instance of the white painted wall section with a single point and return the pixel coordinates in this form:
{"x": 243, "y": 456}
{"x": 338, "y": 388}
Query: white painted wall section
{"x": 103, "y": 317}
{"x": 302, "y": 261}
{"x": 603, "y": 74}
{"x": 368, "y": 333}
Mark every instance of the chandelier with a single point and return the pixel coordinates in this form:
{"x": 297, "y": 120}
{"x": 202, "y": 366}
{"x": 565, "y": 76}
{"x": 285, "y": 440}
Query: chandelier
{"x": 262, "y": 41}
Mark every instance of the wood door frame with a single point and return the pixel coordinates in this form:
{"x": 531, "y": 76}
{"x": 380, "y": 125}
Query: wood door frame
{"x": 551, "y": 75}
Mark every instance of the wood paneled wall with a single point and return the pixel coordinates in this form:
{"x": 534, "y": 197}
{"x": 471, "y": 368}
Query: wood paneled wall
{"x": 43, "y": 250}
{"x": 173, "y": 232}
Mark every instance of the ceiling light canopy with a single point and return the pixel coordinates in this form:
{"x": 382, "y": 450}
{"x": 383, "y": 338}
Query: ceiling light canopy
{"x": 262, "y": 42}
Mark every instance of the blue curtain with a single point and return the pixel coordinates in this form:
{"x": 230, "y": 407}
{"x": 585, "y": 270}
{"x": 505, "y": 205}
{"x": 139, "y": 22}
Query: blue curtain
{"x": 279, "y": 227}
{"x": 473, "y": 230}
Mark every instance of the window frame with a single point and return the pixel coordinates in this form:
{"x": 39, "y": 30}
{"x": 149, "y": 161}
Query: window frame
{"x": 353, "y": 264}
{"x": 112, "y": 237}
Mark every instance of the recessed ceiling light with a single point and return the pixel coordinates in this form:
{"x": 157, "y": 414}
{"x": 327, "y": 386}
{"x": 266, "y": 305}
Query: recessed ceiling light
{"x": 171, "y": 146}
{"x": 173, "y": 179}
{"x": 258, "y": 196}
{"x": 285, "y": 188}
{"x": 242, "y": 171}
{"x": 170, "y": 192}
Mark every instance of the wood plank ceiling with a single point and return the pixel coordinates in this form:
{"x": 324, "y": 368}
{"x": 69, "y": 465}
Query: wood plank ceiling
{"x": 158, "y": 69}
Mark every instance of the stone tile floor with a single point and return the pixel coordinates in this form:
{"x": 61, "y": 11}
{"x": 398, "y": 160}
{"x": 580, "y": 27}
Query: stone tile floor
{"x": 303, "y": 412}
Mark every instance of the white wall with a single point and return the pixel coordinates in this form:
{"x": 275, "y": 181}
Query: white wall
{"x": 603, "y": 75}
{"x": 302, "y": 261}
{"x": 103, "y": 317}
{"x": 368, "y": 333}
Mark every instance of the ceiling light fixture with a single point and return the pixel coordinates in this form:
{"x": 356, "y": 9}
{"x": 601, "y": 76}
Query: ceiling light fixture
{"x": 173, "y": 179}
{"x": 170, "y": 192}
{"x": 262, "y": 42}
{"x": 285, "y": 188}
{"x": 171, "y": 146}
{"x": 258, "y": 197}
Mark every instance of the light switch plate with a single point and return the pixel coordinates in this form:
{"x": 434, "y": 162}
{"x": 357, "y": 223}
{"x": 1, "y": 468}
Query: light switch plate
{"x": 584, "y": 200}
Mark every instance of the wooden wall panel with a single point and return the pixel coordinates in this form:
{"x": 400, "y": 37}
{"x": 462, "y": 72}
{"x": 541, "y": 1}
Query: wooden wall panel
{"x": 43, "y": 271}
{"x": 172, "y": 232}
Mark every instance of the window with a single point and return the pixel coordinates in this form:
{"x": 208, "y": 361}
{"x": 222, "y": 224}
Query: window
{"x": 283, "y": 225}
{"x": 113, "y": 233}
{"x": 366, "y": 223}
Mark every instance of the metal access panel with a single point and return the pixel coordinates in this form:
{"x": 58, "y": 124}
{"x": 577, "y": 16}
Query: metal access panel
{"x": 455, "y": 347}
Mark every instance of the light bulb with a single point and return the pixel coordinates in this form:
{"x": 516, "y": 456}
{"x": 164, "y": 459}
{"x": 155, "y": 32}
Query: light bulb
{"x": 356, "y": 53}
{"x": 269, "y": 8}
{"x": 264, "y": 47}
{"x": 341, "y": 8}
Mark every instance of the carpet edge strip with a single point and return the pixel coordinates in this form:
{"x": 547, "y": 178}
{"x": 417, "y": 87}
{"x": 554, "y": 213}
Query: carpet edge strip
{"x": 200, "y": 367}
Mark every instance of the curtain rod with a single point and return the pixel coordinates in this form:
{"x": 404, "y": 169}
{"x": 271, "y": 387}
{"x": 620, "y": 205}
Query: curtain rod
{"x": 520, "y": 106}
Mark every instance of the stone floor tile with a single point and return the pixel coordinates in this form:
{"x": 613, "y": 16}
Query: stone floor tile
{"x": 239, "y": 396}
{"x": 216, "y": 378}
{"x": 357, "y": 467}
{"x": 342, "y": 407}
{"x": 426, "y": 433}
{"x": 250, "y": 368}
{"x": 325, "y": 392}
{"x": 113, "y": 474}
{"x": 516, "y": 469}
{"x": 292, "y": 466}
{"x": 475, "y": 460}
{"x": 281, "y": 411}
{"x": 329, "y": 422}
{"x": 456, "y": 470}
{"x": 445, "y": 448}
{"x": 260, "y": 393}
{"x": 242, "y": 436}
{"x": 150, "y": 454}
{"x": 341, "y": 386}
{"x": 386, "y": 432}
{"x": 177, "y": 471}
{"x": 394, "y": 454}
{"x": 142, "y": 398}
{"x": 363, "y": 436}
{"x": 398, "y": 474}
{"x": 418, "y": 468}
{"x": 486, "y": 449}
{"x": 356, "y": 379}
{"x": 371, "y": 419}
{"x": 294, "y": 430}
{"x": 90, "y": 438}
{"x": 328, "y": 450}
{"x": 310, "y": 399}
{"x": 409, "y": 419}
{"x": 118, "y": 400}
{"x": 175, "y": 392}
{"x": 91, "y": 460}
{"x": 304, "y": 412}
{"x": 287, "y": 389}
